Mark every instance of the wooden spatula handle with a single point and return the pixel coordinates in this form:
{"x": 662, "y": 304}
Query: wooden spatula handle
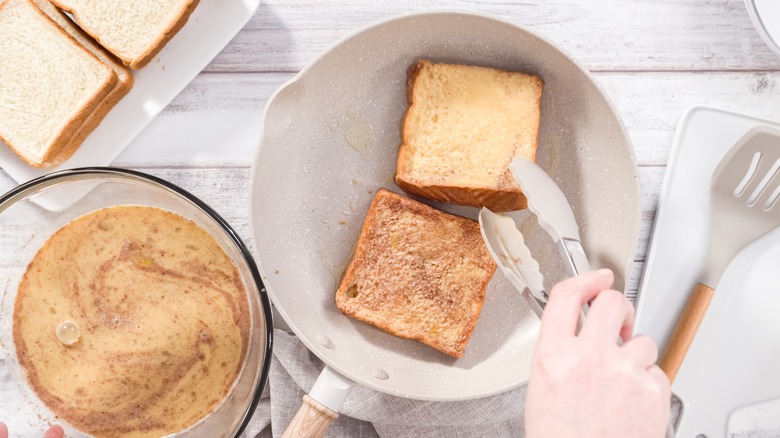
{"x": 685, "y": 331}
{"x": 311, "y": 421}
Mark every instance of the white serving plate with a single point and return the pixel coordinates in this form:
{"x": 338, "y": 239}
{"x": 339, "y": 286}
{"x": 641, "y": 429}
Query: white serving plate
{"x": 734, "y": 359}
{"x": 766, "y": 19}
{"x": 211, "y": 26}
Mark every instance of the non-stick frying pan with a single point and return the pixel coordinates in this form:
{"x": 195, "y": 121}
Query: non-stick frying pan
{"x": 329, "y": 141}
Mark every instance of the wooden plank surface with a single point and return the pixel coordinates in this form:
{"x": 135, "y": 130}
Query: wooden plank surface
{"x": 216, "y": 119}
{"x": 653, "y": 58}
{"x": 676, "y": 35}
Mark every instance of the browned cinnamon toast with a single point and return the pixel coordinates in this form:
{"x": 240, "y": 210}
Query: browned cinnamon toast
{"x": 417, "y": 273}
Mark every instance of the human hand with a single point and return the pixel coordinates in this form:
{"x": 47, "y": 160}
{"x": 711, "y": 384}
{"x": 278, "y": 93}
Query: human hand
{"x": 586, "y": 385}
{"x": 53, "y": 432}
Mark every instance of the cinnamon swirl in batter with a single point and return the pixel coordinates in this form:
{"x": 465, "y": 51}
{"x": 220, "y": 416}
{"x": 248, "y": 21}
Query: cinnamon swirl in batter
{"x": 162, "y": 316}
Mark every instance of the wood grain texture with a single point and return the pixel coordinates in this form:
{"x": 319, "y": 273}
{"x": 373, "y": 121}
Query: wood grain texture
{"x": 685, "y": 331}
{"x": 653, "y": 58}
{"x": 216, "y": 119}
{"x": 651, "y": 103}
{"x": 674, "y": 35}
{"x": 311, "y": 421}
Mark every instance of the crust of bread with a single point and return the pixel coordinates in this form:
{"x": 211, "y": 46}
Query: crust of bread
{"x": 67, "y": 146}
{"x": 501, "y": 199}
{"x": 90, "y": 124}
{"x": 93, "y": 121}
{"x": 425, "y": 281}
{"x": 60, "y": 140}
{"x": 143, "y": 59}
{"x": 506, "y": 196}
{"x": 123, "y": 84}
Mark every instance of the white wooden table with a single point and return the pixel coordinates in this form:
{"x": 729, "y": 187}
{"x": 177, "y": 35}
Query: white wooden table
{"x": 654, "y": 58}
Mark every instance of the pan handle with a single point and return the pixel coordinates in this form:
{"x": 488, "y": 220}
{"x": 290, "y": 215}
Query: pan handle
{"x": 685, "y": 331}
{"x": 320, "y": 406}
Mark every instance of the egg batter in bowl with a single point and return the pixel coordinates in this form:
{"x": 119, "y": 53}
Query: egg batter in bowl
{"x": 131, "y": 321}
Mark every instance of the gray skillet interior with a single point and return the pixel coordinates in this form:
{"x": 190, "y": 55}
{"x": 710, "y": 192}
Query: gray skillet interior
{"x": 317, "y": 168}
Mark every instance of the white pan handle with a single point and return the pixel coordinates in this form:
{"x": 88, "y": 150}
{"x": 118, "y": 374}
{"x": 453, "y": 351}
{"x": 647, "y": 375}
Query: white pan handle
{"x": 320, "y": 406}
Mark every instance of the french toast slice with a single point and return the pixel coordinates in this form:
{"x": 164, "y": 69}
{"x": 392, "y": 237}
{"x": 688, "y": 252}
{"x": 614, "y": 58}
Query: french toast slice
{"x": 417, "y": 273}
{"x": 463, "y": 127}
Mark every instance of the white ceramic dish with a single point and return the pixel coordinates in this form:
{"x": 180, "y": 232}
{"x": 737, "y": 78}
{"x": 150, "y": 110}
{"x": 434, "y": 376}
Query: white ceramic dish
{"x": 211, "y": 26}
{"x": 734, "y": 359}
{"x": 766, "y": 19}
{"x": 317, "y": 170}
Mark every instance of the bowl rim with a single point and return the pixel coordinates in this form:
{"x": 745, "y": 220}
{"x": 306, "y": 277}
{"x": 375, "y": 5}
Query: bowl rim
{"x": 83, "y": 173}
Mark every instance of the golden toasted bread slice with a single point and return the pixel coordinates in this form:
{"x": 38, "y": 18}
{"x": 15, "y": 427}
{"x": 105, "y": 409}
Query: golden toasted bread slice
{"x": 417, "y": 273}
{"x": 463, "y": 127}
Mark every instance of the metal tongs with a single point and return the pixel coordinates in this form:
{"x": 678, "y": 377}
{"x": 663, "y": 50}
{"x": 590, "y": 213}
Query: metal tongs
{"x": 506, "y": 243}
{"x": 508, "y": 248}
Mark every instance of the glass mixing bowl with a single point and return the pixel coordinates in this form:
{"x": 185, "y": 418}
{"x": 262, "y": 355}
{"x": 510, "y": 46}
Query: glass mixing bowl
{"x": 33, "y": 211}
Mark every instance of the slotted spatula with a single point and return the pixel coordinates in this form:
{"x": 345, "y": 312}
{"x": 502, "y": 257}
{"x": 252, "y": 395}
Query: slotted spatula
{"x": 743, "y": 207}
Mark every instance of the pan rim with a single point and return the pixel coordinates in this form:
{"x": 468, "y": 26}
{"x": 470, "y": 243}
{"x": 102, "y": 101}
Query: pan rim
{"x": 311, "y": 343}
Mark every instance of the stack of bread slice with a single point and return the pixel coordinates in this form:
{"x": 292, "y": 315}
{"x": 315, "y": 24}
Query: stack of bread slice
{"x": 134, "y": 31}
{"x": 59, "y": 77}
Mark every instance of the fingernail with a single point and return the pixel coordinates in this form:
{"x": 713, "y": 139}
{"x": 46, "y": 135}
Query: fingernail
{"x": 604, "y": 272}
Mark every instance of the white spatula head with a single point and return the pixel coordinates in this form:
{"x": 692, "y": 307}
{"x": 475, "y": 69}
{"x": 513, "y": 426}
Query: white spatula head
{"x": 744, "y": 197}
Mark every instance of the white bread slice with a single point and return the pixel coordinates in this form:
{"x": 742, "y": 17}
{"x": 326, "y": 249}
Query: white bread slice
{"x": 49, "y": 84}
{"x": 417, "y": 273}
{"x": 463, "y": 126}
{"x": 133, "y": 30}
{"x": 123, "y": 85}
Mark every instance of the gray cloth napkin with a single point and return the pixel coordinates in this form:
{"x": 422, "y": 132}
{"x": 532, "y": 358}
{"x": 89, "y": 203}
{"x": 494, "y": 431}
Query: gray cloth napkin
{"x": 368, "y": 413}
